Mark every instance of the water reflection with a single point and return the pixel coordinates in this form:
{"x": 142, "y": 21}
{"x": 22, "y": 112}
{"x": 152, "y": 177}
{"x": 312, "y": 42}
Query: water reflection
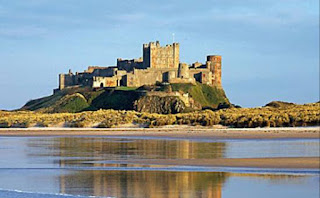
{"x": 72, "y": 165}
{"x": 117, "y": 149}
{"x": 143, "y": 184}
{"x": 74, "y": 151}
{"x": 158, "y": 184}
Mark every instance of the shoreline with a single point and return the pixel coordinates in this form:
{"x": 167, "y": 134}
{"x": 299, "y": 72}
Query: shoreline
{"x": 182, "y": 132}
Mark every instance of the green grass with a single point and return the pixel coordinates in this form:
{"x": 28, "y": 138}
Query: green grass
{"x": 91, "y": 95}
{"x": 42, "y": 102}
{"x": 119, "y": 100}
{"x": 181, "y": 87}
{"x": 126, "y": 88}
{"x": 72, "y": 104}
{"x": 206, "y": 95}
{"x": 49, "y": 101}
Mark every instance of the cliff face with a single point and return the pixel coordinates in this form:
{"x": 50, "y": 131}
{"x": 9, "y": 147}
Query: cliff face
{"x": 166, "y": 99}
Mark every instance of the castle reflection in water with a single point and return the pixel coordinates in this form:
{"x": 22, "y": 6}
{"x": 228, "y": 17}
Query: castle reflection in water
{"x": 143, "y": 184}
{"x": 137, "y": 183}
{"x": 90, "y": 170}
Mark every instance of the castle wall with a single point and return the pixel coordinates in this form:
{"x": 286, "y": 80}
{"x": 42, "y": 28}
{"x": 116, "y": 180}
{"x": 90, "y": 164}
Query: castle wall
{"x": 183, "y": 80}
{"x": 196, "y": 65}
{"x": 206, "y": 77}
{"x": 147, "y": 76}
{"x": 84, "y": 79}
{"x": 106, "y": 72}
{"x": 120, "y": 72}
{"x": 129, "y": 80}
{"x": 66, "y": 80}
{"x": 202, "y": 75}
{"x": 104, "y": 82}
{"x": 92, "y": 68}
{"x": 128, "y": 65}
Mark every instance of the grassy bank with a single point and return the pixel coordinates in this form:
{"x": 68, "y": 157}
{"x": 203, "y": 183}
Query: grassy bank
{"x": 78, "y": 99}
{"x": 269, "y": 116}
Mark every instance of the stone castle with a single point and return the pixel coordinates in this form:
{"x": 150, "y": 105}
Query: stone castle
{"x": 159, "y": 64}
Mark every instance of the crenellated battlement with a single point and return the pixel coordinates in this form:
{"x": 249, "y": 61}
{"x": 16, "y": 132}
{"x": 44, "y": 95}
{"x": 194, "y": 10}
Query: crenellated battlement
{"x": 157, "y": 45}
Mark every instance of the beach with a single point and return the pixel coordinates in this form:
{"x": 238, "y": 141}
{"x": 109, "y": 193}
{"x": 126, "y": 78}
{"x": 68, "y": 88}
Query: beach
{"x": 173, "y": 132}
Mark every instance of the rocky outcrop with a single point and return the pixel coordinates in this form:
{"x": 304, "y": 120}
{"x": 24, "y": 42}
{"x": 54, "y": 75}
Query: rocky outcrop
{"x": 158, "y": 104}
{"x": 279, "y": 104}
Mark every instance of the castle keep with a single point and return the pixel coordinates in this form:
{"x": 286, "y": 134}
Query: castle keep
{"x": 158, "y": 64}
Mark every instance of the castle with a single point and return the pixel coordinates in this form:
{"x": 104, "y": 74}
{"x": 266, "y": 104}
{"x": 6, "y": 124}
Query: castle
{"x": 158, "y": 64}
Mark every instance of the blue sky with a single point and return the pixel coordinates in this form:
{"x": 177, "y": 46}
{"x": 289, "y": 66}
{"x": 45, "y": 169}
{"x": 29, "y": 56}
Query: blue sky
{"x": 270, "y": 48}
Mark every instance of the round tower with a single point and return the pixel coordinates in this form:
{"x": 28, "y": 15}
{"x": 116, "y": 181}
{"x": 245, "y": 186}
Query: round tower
{"x": 214, "y": 64}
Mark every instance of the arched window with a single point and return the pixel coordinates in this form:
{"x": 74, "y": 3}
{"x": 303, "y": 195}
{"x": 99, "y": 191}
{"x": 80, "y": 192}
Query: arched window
{"x": 101, "y": 85}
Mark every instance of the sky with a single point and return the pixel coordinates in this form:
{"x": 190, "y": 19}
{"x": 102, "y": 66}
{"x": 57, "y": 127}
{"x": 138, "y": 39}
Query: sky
{"x": 269, "y": 48}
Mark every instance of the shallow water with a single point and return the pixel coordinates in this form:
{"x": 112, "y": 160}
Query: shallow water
{"x": 71, "y": 166}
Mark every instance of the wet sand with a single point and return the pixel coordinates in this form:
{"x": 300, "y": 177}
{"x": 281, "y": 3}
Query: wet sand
{"x": 173, "y": 132}
{"x": 274, "y": 162}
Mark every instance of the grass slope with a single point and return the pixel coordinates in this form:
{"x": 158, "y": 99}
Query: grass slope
{"x": 84, "y": 99}
{"x": 68, "y": 100}
{"x": 69, "y": 103}
{"x": 206, "y": 95}
{"x": 119, "y": 100}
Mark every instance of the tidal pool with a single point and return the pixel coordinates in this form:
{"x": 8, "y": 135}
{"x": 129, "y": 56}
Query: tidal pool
{"x": 66, "y": 167}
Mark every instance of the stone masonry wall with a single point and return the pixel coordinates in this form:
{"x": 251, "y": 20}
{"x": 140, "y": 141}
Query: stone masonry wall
{"x": 104, "y": 82}
{"x": 128, "y": 65}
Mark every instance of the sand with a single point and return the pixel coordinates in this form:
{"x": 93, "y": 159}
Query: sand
{"x": 173, "y": 132}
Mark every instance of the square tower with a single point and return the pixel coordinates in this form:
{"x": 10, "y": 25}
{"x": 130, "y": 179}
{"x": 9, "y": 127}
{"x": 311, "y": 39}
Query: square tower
{"x": 157, "y": 57}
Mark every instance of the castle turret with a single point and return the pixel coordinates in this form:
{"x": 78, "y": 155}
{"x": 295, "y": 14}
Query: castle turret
{"x": 214, "y": 64}
{"x": 184, "y": 70}
{"x": 61, "y": 81}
